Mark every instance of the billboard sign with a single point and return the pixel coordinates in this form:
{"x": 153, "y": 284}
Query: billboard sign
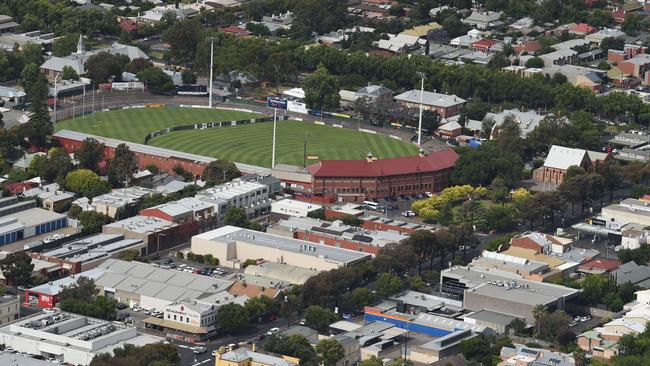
{"x": 276, "y": 103}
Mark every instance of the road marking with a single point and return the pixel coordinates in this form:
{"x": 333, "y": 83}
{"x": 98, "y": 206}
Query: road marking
{"x": 202, "y": 362}
{"x": 184, "y": 346}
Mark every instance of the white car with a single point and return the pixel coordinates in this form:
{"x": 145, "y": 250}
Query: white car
{"x": 199, "y": 349}
{"x": 272, "y": 331}
{"x": 408, "y": 213}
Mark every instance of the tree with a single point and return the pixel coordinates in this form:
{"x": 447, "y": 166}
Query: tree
{"x": 361, "y": 297}
{"x": 372, "y": 361}
{"x": 553, "y": 325}
{"x": 34, "y": 83}
{"x": 83, "y": 289}
{"x": 498, "y": 191}
{"x": 389, "y": 284}
{"x": 236, "y": 216}
{"x": 122, "y": 166}
{"x": 233, "y": 318}
{"x": 320, "y": 16}
{"x": 501, "y": 218}
{"x": 330, "y": 351}
{"x": 422, "y": 242}
{"x": 476, "y": 349}
{"x": 321, "y": 90}
{"x": 538, "y": 312}
{"x": 105, "y": 66}
{"x": 612, "y": 177}
{"x": 92, "y": 221}
{"x": 156, "y": 79}
{"x": 632, "y": 23}
{"x": 69, "y": 73}
{"x": 183, "y": 38}
{"x": 63, "y": 46}
{"x": 295, "y": 345}
{"x": 90, "y": 154}
{"x": 188, "y": 77}
{"x": 319, "y": 318}
{"x": 612, "y": 43}
{"x": 220, "y": 171}
{"x": 154, "y": 354}
{"x": 86, "y": 183}
{"x": 17, "y": 268}
{"x": 535, "y": 62}
{"x": 136, "y": 65}
{"x": 594, "y": 288}
{"x": 498, "y": 61}
{"x": 600, "y": 18}
{"x": 279, "y": 68}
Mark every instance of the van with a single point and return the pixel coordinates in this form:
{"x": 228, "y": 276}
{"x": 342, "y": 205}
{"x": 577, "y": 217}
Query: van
{"x": 371, "y": 205}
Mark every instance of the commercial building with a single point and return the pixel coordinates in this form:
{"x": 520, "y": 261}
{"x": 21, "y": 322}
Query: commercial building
{"x": 9, "y": 308}
{"x": 246, "y": 357}
{"x": 388, "y": 224}
{"x": 542, "y": 243}
{"x": 70, "y": 338}
{"x": 156, "y": 234}
{"x": 370, "y": 179}
{"x": 520, "y": 355}
{"x": 280, "y": 272}
{"x": 146, "y": 155}
{"x": 251, "y": 196}
{"x": 136, "y": 283}
{"x": 192, "y": 320}
{"x": 335, "y": 234}
{"x": 121, "y": 201}
{"x": 186, "y": 210}
{"x": 502, "y": 292}
{"x": 87, "y": 253}
{"x": 233, "y": 246}
{"x": 445, "y": 105}
{"x": 21, "y": 220}
{"x": 286, "y": 208}
{"x": 375, "y": 93}
{"x": 630, "y": 210}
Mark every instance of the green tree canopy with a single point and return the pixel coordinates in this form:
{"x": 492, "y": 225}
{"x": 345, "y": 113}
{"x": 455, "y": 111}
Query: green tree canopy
{"x": 319, "y": 318}
{"x": 17, "y": 268}
{"x": 155, "y": 79}
{"x": 233, "y": 318}
{"x": 86, "y": 183}
{"x": 330, "y": 351}
{"x": 220, "y": 171}
{"x": 321, "y": 90}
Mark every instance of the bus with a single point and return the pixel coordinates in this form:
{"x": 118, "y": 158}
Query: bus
{"x": 370, "y": 205}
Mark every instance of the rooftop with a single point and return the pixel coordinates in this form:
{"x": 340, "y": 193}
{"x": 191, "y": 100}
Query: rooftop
{"x": 229, "y": 234}
{"x": 242, "y": 354}
{"x": 432, "y": 162}
{"x": 142, "y": 224}
{"x": 560, "y": 157}
{"x": 281, "y": 272}
{"x": 491, "y": 317}
{"x": 430, "y": 98}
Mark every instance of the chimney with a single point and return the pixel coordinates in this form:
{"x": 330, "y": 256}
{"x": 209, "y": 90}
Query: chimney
{"x": 254, "y": 347}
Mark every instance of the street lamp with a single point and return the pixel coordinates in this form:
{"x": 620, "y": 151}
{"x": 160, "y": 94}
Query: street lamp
{"x": 421, "y": 75}
{"x": 56, "y": 100}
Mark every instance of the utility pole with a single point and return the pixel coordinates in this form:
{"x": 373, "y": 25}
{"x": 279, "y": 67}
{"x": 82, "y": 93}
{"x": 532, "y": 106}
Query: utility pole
{"x": 211, "y": 67}
{"x": 275, "y": 120}
{"x": 421, "y": 75}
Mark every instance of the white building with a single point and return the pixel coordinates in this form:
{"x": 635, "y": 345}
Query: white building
{"x": 294, "y": 207}
{"x": 70, "y": 338}
{"x": 252, "y": 196}
{"x": 120, "y": 199}
{"x": 233, "y": 246}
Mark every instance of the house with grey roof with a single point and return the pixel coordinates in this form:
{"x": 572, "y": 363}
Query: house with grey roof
{"x": 637, "y": 275}
{"x": 7, "y": 23}
{"x": 444, "y": 104}
{"x": 558, "y": 161}
{"x": 527, "y": 120}
{"x": 484, "y": 19}
{"x": 375, "y": 93}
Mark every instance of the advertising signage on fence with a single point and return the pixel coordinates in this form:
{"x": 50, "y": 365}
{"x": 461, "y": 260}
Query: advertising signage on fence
{"x": 276, "y": 103}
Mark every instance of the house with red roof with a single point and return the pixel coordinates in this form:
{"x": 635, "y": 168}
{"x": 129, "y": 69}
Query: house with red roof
{"x": 484, "y": 45}
{"x": 371, "y": 179}
{"x": 129, "y": 25}
{"x": 599, "y": 266}
{"x": 528, "y": 47}
{"x": 582, "y": 29}
{"x": 235, "y": 31}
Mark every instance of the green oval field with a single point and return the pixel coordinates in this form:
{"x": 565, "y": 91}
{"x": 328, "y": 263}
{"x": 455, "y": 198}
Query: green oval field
{"x": 250, "y": 143}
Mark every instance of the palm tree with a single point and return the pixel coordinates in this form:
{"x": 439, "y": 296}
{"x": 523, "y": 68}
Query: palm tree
{"x": 538, "y": 311}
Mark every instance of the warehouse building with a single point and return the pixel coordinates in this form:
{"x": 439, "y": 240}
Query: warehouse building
{"x": 136, "y": 283}
{"x": 157, "y": 234}
{"x": 502, "y": 292}
{"x": 87, "y": 253}
{"x": 70, "y": 338}
{"x": 233, "y": 246}
{"x": 21, "y": 220}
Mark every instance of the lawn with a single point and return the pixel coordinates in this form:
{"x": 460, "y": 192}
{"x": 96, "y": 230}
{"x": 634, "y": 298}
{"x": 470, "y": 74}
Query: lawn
{"x": 134, "y": 124}
{"x": 250, "y": 143}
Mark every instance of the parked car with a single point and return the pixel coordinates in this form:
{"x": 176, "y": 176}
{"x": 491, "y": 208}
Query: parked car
{"x": 408, "y": 213}
{"x": 121, "y": 306}
{"x": 231, "y": 347}
{"x": 272, "y": 331}
{"x": 199, "y": 349}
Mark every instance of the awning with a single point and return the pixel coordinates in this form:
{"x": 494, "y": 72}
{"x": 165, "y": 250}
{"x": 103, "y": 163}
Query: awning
{"x": 175, "y": 325}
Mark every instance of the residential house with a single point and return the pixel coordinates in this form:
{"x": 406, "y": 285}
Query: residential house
{"x": 542, "y": 243}
{"x": 633, "y": 238}
{"x": 527, "y": 120}
{"x": 422, "y": 30}
{"x": 445, "y": 105}
{"x": 580, "y": 76}
{"x": 185, "y": 210}
{"x": 596, "y": 38}
{"x": 450, "y": 129}
{"x": 636, "y": 66}
{"x": 520, "y": 355}
{"x": 599, "y": 266}
{"x": 637, "y": 275}
{"x": 467, "y": 40}
{"x": 582, "y": 29}
{"x": 375, "y": 93}
{"x": 235, "y": 30}
{"x": 400, "y": 43}
{"x": 484, "y": 19}
{"x": 7, "y": 23}
{"x": 527, "y": 47}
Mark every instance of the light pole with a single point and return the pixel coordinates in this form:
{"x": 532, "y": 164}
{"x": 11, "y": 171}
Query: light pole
{"x": 421, "y": 75}
{"x": 211, "y": 67}
{"x": 56, "y": 99}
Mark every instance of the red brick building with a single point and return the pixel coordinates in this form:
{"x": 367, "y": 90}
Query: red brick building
{"x": 370, "y": 179}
